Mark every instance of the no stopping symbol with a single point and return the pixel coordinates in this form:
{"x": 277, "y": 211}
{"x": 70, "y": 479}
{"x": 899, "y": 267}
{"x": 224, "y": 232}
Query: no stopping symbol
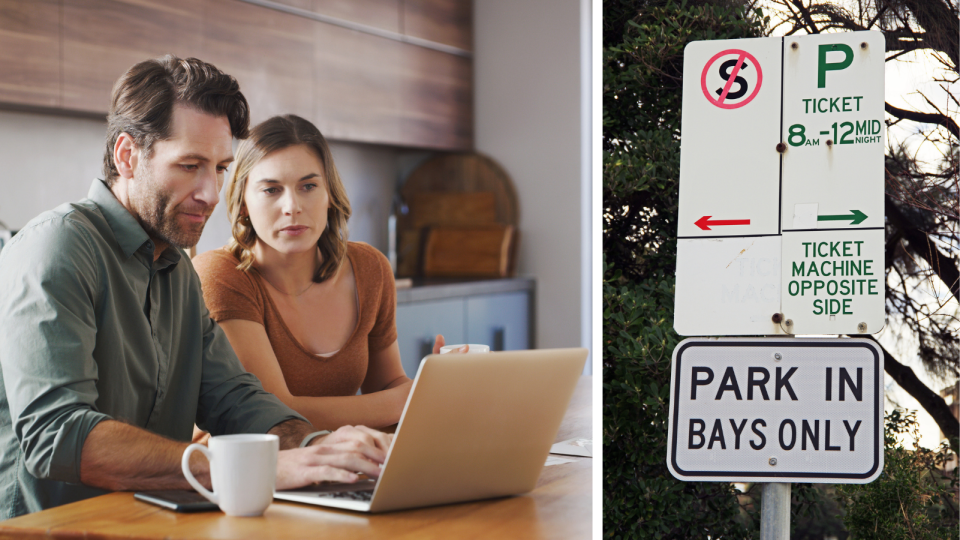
{"x": 731, "y": 79}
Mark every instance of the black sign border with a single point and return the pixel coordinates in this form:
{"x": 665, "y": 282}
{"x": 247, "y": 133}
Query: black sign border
{"x": 770, "y": 474}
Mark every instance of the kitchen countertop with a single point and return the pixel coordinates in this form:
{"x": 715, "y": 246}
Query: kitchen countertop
{"x": 424, "y": 289}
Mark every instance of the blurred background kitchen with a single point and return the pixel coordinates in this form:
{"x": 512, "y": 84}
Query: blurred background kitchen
{"x": 429, "y": 105}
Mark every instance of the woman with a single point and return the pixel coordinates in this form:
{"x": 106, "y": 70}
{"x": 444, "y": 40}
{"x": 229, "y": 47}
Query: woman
{"x": 310, "y": 314}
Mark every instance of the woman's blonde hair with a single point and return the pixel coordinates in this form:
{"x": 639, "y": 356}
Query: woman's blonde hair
{"x": 270, "y": 136}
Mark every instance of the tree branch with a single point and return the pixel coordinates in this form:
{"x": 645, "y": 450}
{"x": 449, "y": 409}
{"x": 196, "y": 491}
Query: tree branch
{"x": 892, "y": 243}
{"x": 942, "y": 265}
{"x": 877, "y": 16}
{"x": 937, "y": 17}
{"x": 805, "y": 15}
{"x": 901, "y": 53}
{"x": 928, "y": 118}
{"x": 931, "y": 402}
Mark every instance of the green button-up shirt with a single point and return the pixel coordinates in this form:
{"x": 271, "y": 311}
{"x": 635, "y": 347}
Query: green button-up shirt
{"x": 92, "y": 328}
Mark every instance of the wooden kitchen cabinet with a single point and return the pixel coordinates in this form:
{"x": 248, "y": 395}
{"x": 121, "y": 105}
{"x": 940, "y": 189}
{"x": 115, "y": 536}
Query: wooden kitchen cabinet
{"x": 104, "y": 38}
{"x": 355, "y": 82}
{"x": 356, "y": 85}
{"x": 449, "y": 22}
{"x": 382, "y": 14}
{"x": 30, "y": 52}
{"x": 436, "y": 98}
{"x": 269, "y": 52}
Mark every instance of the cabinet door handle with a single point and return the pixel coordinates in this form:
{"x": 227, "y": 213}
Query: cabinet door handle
{"x": 499, "y": 339}
{"x": 426, "y": 348}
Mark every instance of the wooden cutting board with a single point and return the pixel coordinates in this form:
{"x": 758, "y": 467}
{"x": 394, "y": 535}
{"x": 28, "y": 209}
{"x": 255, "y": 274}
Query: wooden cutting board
{"x": 475, "y": 251}
{"x": 431, "y": 208}
{"x": 459, "y": 190}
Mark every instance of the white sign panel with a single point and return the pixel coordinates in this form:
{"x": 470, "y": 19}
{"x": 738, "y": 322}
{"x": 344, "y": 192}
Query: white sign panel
{"x": 832, "y": 196}
{"x": 776, "y": 410}
{"x": 730, "y": 127}
{"x": 782, "y": 145}
{"x": 833, "y": 279}
{"x": 735, "y": 282}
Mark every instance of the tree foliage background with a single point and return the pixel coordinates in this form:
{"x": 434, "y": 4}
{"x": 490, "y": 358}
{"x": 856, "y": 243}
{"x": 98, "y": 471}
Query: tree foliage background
{"x": 642, "y": 65}
{"x": 643, "y": 44}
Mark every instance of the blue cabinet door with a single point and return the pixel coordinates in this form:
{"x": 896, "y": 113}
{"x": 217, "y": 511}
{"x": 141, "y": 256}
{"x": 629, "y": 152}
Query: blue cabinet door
{"x": 499, "y": 320}
{"x": 418, "y": 323}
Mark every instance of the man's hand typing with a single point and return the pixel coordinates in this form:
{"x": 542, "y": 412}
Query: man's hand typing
{"x": 337, "y": 457}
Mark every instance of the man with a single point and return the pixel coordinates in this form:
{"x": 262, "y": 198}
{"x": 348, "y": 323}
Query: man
{"x": 107, "y": 353}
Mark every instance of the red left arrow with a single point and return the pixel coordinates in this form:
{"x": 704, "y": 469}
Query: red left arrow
{"x": 705, "y": 223}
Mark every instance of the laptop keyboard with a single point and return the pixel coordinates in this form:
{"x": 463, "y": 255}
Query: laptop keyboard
{"x": 365, "y": 495}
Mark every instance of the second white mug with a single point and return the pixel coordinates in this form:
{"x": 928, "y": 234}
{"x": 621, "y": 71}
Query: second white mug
{"x": 474, "y": 348}
{"x": 243, "y": 471}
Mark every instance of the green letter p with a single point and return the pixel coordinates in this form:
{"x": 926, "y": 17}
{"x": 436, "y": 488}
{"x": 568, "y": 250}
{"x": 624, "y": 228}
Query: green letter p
{"x": 823, "y": 67}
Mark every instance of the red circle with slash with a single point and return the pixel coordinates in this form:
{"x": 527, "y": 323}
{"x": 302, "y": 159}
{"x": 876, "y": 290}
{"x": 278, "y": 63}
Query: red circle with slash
{"x": 721, "y": 100}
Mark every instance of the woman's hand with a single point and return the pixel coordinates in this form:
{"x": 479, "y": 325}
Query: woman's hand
{"x": 200, "y": 436}
{"x": 439, "y": 342}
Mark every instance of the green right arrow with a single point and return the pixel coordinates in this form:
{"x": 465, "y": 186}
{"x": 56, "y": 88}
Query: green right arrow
{"x": 856, "y": 216}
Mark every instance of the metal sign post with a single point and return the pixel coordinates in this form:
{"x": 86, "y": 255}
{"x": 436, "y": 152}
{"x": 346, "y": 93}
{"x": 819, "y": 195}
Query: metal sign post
{"x": 775, "y": 512}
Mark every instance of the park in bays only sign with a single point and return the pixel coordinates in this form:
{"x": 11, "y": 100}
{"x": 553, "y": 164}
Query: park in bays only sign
{"x": 776, "y": 410}
{"x": 781, "y": 186}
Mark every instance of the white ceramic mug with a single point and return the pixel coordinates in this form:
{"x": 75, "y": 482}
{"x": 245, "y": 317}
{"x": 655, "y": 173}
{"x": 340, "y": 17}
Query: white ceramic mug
{"x": 474, "y": 348}
{"x": 243, "y": 471}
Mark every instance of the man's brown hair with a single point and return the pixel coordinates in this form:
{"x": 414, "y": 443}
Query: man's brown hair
{"x": 144, "y": 97}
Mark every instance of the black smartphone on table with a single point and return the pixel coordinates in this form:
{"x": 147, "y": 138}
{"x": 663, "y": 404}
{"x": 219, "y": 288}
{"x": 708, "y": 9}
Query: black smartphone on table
{"x": 178, "y": 500}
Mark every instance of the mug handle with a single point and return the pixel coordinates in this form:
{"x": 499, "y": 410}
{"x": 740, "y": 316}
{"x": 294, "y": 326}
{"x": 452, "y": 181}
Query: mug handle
{"x": 185, "y": 465}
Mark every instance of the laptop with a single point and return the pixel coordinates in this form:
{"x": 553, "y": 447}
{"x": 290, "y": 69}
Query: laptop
{"x": 475, "y": 426}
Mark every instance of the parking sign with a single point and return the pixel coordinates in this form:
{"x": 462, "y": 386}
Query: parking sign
{"x": 781, "y": 186}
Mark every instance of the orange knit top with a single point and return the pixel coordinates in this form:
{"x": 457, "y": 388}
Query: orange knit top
{"x": 232, "y": 294}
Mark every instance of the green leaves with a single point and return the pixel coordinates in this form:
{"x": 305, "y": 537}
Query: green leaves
{"x": 642, "y": 83}
{"x": 914, "y": 498}
{"x": 641, "y": 498}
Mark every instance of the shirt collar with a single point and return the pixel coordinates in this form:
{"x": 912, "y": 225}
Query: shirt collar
{"x": 126, "y": 229}
{"x": 168, "y": 259}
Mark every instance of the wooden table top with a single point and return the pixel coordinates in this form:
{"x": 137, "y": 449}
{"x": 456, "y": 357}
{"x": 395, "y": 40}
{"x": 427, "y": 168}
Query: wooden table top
{"x": 559, "y": 507}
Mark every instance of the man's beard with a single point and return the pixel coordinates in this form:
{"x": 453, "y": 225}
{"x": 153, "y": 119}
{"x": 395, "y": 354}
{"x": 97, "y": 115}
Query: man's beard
{"x": 161, "y": 224}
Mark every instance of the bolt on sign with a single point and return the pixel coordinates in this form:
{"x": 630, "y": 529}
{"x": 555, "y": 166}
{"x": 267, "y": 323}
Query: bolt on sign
{"x": 776, "y": 410}
{"x": 781, "y": 186}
